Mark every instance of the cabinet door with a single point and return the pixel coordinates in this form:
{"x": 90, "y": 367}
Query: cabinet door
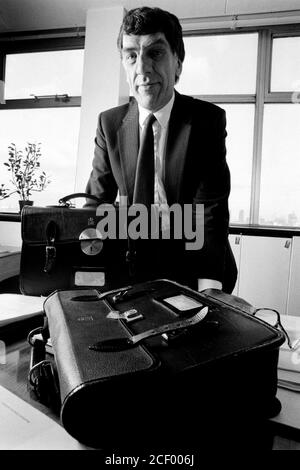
{"x": 264, "y": 271}
{"x": 293, "y": 307}
{"x": 235, "y": 243}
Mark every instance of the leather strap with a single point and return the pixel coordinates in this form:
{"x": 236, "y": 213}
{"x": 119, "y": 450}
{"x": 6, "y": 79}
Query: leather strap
{"x": 50, "y": 253}
{"x": 119, "y": 344}
{"x": 64, "y": 200}
{"x": 42, "y": 376}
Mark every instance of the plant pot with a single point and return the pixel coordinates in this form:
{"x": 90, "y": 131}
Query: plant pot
{"x": 25, "y": 203}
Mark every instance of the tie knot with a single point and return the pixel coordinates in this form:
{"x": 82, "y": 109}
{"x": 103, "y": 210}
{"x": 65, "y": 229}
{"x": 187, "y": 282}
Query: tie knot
{"x": 149, "y": 120}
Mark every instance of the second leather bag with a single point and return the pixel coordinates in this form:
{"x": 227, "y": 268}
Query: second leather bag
{"x": 62, "y": 248}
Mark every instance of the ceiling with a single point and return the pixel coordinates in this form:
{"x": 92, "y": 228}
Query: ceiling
{"x": 27, "y": 15}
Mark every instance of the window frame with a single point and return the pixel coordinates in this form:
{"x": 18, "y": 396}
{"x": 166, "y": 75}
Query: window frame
{"x": 38, "y": 41}
{"x": 263, "y": 95}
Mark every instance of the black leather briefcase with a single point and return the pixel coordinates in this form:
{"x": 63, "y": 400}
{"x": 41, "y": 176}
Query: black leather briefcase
{"x": 159, "y": 364}
{"x": 62, "y": 249}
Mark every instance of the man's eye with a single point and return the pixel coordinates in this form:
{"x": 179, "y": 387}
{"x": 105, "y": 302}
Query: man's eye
{"x": 156, "y": 53}
{"x": 130, "y": 57}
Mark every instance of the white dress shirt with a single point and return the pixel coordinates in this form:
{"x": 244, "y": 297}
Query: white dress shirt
{"x": 160, "y": 132}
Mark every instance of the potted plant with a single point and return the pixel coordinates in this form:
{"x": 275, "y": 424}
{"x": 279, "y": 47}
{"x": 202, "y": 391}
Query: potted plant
{"x": 26, "y": 175}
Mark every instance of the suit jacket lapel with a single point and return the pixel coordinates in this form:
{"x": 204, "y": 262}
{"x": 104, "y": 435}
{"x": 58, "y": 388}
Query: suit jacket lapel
{"x": 176, "y": 151}
{"x": 128, "y": 139}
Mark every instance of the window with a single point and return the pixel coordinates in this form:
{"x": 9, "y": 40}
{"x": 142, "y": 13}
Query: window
{"x": 239, "y": 144}
{"x": 255, "y": 77}
{"x": 210, "y": 62}
{"x": 285, "y": 74}
{"x": 42, "y": 97}
{"x": 57, "y": 130}
{"x": 280, "y": 170}
{"x": 43, "y": 73}
{"x": 280, "y": 163}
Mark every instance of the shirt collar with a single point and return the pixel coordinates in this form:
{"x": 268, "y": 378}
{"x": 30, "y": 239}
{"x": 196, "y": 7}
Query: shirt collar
{"x": 162, "y": 115}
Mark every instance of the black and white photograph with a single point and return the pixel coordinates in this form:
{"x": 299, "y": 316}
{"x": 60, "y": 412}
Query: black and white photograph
{"x": 150, "y": 228}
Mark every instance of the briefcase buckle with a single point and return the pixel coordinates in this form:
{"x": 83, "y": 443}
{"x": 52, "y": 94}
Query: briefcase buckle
{"x": 50, "y": 257}
{"x": 129, "y": 315}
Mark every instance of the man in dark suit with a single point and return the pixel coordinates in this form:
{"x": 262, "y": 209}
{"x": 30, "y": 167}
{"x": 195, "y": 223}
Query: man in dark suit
{"x": 189, "y": 148}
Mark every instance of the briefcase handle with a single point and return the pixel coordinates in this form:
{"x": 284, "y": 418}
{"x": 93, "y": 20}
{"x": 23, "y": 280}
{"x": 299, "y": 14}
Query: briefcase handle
{"x": 64, "y": 200}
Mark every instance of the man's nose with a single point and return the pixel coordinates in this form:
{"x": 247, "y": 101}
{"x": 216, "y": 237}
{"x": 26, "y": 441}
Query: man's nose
{"x": 143, "y": 64}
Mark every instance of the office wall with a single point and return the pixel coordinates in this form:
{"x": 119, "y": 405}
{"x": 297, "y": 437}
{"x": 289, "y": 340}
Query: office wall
{"x": 104, "y": 83}
{"x": 234, "y": 7}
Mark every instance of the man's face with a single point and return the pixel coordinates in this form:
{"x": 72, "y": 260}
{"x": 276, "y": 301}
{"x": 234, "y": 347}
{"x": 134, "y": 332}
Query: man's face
{"x": 151, "y": 67}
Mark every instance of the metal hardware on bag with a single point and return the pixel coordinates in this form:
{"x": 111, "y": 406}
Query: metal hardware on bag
{"x": 37, "y": 357}
{"x": 129, "y": 315}
{"x": 120, "y": 295}
{"x": 35, "y": 371}
{"x": 64, "y": 203}
{"x": 90, "y": 241}
{"x": 50, "y": 258}
{"x": 128, "y": 295}
{"x": 31, "y": 336}
{"x": 100, "y": 296}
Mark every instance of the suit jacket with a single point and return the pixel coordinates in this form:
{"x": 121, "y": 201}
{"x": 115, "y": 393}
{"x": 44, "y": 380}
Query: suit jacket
{"x": 195, "y": 171}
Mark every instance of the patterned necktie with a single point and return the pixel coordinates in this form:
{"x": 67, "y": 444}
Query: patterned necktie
{"x": 144, "y": 176}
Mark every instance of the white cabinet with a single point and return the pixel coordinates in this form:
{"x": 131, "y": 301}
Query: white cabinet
{"x": 264, "y": 271}
{"x": 293, "y": 304}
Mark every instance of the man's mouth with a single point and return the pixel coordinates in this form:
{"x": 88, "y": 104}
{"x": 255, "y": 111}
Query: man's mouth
{"x": 147, "y": 86}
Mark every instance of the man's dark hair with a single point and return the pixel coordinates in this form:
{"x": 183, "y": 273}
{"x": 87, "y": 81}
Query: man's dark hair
{"x": 147, "y": 20}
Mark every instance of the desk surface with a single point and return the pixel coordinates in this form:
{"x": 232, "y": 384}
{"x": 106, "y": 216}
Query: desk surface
{"x": 43, "y": 430}
{"x": 14, "y": 373}
{"x": 10, "y": 257}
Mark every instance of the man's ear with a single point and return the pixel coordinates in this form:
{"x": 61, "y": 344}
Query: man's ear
{"x": 179, "y": 68}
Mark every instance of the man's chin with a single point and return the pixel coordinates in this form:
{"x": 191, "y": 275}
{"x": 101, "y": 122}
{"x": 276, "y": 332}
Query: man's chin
{"x": 147, "y": 102}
